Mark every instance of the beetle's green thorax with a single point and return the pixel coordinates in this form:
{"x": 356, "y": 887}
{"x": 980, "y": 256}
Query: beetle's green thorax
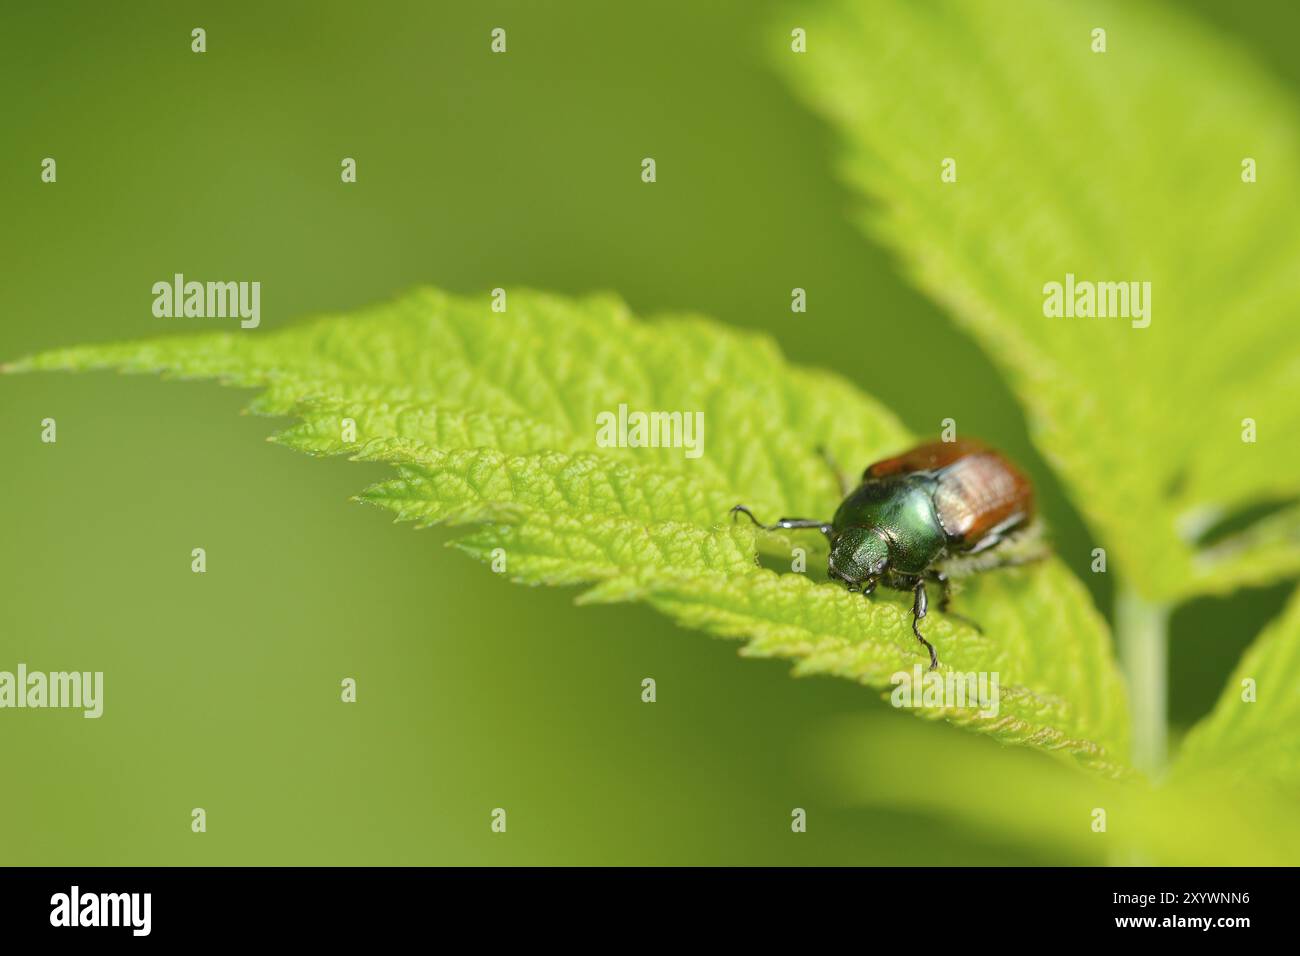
{"x": 888, "y": 523}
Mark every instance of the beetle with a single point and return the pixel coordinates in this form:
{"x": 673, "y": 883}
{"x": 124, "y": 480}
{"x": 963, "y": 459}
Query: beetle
{"x": 937, "y": 511}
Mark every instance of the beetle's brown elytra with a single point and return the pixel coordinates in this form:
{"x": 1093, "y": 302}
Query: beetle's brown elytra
{"x": 935, "y": 511}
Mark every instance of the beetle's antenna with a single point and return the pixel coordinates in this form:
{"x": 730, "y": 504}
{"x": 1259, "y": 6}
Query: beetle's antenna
{"x": 783, "y": 524}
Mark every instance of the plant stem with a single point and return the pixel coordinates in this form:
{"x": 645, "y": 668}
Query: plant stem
{"x": 1142, "y": 630}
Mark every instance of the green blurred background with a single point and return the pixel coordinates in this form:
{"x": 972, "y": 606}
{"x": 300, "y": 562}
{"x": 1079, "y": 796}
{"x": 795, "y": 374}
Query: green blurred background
{"x": 474, "y": 171}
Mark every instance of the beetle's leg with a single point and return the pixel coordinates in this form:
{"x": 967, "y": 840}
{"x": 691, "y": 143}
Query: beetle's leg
{"x": 1023, "y": 541}
{"x": 784, "y": 524}
{"x": 919, "y": 605}
{"x": 1019, "y": 560}
{"x": 990, "y": 540}
{"x": 945, "y": 598}
{"x": 841, "y": 481}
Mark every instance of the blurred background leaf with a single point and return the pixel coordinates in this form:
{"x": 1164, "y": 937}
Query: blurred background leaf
{"x": 881, "y": 765}
{"x": 1251, "y": 736}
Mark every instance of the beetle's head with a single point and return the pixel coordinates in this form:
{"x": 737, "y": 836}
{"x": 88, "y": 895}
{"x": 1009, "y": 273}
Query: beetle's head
{"x": 859, "y": 557}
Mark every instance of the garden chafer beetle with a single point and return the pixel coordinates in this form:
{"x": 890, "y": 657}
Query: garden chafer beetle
{"x": 937, "y": 511}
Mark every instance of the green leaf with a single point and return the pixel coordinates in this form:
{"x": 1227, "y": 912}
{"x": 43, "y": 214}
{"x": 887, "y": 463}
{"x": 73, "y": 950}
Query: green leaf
{"x": 1253, "y": 733}
{"x": 1264, "y": 553}
{"x": 1117, "y": 166}
{"x": 865, "y": 761}
{"x": 491, "y": 419}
